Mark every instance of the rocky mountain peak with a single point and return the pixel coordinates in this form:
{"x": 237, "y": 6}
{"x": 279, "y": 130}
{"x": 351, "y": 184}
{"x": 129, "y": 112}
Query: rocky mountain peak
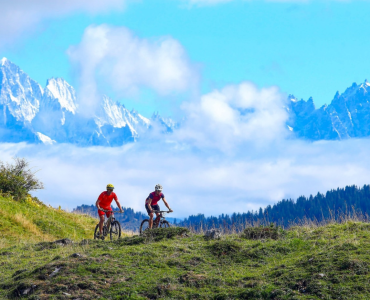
{"x": 4, "y": 60}
{"x": 63, "y": 92}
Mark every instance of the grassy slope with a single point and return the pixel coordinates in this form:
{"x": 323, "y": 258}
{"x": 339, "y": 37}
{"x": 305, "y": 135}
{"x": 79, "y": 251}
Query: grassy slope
{"x": 27, "y": 222}
{"x": 330, "y": 262}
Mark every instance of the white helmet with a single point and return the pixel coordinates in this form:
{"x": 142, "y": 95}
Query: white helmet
{"x": 158, "y": 187}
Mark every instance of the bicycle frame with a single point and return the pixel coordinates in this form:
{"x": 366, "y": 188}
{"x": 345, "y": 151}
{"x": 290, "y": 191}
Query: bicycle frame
{"x": 111, "y": 218}
{"x": 161, "y": 222}
{"x": 161, "y": 214}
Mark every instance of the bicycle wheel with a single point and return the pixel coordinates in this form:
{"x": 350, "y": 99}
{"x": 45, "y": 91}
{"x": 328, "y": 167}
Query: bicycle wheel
{"x": 96, "y": 232}
{"x": 115, "y": 231}
{"x": 164, "y": 224}
{"x": 144, "y": 226}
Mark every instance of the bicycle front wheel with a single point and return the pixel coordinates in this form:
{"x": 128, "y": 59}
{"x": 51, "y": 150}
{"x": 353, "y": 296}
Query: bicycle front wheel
{"x": 144, "y": 226}
{"x": 115, "y": 231}
{"x": 96, "y": 232}
{"x": 165, "y": 224}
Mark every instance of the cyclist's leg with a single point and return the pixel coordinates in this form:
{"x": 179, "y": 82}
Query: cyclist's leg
{"x": 101, "y": 222}
{"x": 151, "y": 220}
{"x": 108, "y": 214}
{"x": 157, "y": 219}
{"x": 150, "y": 214}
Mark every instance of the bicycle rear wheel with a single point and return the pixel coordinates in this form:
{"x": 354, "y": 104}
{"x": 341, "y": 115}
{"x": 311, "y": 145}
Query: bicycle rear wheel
{"x": 164, "y": 224}
{"x": 115, "y": 231}
{"x": 144, "y": 226}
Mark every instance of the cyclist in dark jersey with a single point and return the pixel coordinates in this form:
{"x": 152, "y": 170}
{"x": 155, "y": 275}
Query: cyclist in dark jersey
{"x": 151, "y": 203}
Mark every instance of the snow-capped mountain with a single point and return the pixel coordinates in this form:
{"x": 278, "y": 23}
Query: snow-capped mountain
{"x": 347, "y": 116}
{"x": 33, "y": 114}
{"x": 30, "y": 113}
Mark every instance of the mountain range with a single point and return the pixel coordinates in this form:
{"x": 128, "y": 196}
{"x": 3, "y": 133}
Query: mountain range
{"x": 347, "y": 116}
{"x": 33, "y": 114}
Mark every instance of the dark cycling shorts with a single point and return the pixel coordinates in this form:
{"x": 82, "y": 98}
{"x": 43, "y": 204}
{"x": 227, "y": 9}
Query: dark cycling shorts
{"x": 154, "y": 207}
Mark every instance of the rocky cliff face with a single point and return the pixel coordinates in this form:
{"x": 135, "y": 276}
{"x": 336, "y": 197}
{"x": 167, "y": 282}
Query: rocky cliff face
{"x": 347, "y": 116}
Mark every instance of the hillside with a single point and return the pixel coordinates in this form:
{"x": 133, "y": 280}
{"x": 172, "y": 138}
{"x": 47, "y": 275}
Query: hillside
{"x": 329, "y": 262}
{"x": 31, "y": 221}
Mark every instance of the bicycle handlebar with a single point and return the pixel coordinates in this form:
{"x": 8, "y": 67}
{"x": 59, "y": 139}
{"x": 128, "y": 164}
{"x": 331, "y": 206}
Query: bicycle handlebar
{"x": 162, "y": 211}
{"x": 107, "y": 210}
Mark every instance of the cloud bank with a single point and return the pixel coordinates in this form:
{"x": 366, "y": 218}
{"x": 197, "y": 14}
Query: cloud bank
{"x": 235, "y": 116}
{"x": 126, "y": 63}
{"x": 233, "y": 154}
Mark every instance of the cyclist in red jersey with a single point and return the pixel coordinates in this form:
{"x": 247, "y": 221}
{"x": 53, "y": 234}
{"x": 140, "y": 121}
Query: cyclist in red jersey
{"x": 104, "y": 203}
{"x": 152, "y": 203}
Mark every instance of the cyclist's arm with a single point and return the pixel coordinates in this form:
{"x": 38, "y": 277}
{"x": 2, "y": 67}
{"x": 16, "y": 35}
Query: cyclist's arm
{"x": 97, "y": 204}
{"x": 165, "y": 203}
{"x": 118, "y": 204}
{"x": 149, "y": 202}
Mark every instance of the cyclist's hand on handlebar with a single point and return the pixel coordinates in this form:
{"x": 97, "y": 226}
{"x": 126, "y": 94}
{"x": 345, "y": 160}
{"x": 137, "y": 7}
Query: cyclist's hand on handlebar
{"x": 121, "y": 210}
{"x": 170, "y": 210}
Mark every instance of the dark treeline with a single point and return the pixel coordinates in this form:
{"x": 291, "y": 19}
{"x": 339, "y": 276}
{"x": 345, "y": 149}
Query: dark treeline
{"x": 335, "y": 204}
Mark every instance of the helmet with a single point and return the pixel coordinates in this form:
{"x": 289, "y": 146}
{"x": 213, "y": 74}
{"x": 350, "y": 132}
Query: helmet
{"x": 158, "y": 187}
{"x": 110, "y": 186}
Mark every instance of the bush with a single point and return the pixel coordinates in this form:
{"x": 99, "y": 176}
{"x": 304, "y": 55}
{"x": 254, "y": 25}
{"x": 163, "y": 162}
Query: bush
{"x": 262, "y": 232}
{"x": 18, "y": 179}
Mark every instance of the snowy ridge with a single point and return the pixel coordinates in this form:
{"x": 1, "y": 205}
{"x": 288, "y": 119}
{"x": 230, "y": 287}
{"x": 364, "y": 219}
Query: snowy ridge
{"x": 19, "y": 95}
{"x": 45, "y": 139}
{"x": 347, "y": 116}
{"x": 30, "y": 113}
{"x": 61, "y": 90}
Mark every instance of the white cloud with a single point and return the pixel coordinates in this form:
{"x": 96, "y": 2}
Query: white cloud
{"x": 210, "y": 166}
{"x": 126, "y": 62}
{"x": 18, "y": 16}
{"x": 235, "y": 115}
{"x": 202, "y": 182}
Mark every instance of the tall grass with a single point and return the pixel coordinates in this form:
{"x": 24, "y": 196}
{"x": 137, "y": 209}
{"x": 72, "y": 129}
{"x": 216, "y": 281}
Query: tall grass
{"x": 339, "y": 217}
{"x": 31, "y": 222}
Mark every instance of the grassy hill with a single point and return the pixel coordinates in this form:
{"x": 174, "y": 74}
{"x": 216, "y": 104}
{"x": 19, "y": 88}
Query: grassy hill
{"x": 329, "y": 262}
{"x": 32, "y": 221}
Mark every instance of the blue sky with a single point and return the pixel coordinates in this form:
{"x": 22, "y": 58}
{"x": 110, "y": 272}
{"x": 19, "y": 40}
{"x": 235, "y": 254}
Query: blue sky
{"x": 312, "y": 48}
{"x": 204, "y": 62}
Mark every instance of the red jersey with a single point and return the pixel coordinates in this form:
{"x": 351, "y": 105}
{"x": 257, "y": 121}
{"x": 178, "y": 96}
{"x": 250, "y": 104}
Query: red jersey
{"x": 106, "y": 200}
{"x": 154, "y": 198}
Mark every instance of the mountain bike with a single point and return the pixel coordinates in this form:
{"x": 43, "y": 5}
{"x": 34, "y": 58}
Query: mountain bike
{"x": 162, "y": 222}
{"x": 111, "y": 226}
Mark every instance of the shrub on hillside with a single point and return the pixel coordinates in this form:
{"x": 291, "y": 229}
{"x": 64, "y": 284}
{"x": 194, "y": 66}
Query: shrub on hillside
{"x": 262, "y": 232}
{"x": 18, "y": 179}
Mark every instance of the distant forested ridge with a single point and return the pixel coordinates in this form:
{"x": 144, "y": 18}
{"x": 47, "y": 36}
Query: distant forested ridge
{"x": 333, "y": 205}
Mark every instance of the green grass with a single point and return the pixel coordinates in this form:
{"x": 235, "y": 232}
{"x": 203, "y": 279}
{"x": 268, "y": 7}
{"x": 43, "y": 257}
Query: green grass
{"x": 329, "y": 262}
{"x": 30, "y": 221}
